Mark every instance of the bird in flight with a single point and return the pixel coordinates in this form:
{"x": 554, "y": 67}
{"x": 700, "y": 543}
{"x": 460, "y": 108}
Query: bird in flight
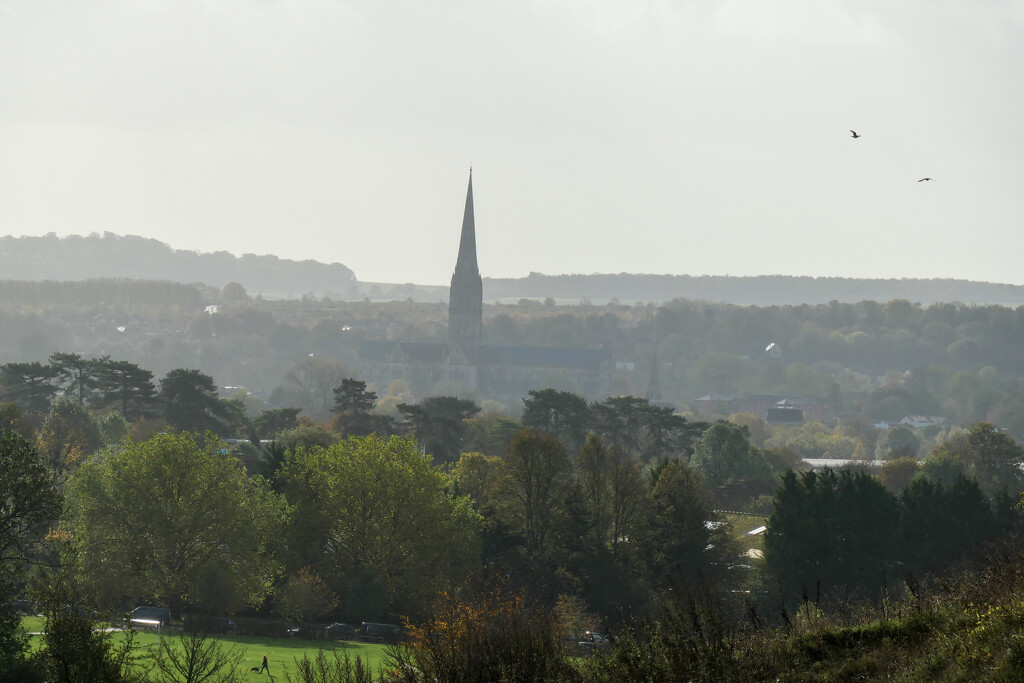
{"x": 854, "y": 134}
{"x": 923, "y": 179}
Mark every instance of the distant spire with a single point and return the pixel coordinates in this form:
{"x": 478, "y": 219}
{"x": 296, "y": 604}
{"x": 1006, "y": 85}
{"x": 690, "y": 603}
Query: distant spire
{"x": 467, "y": 244}
{"x": 465, "y": 299}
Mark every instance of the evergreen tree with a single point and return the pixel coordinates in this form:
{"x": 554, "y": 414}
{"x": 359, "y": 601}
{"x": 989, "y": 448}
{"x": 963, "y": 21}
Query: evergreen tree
{"x": 127, "y": 387}
{"x": 30, "y": 385}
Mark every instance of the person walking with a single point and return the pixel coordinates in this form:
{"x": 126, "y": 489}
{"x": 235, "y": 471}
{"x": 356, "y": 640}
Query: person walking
{"x": 265, "y": 666}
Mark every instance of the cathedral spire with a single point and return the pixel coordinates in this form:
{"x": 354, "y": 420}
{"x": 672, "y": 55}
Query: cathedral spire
{"x": 465, "y": 299}
{"x": 467, "y": 244}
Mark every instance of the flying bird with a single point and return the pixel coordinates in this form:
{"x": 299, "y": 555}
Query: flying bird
{"x": 854, "y": 134}
{"x": 923, "y": 179}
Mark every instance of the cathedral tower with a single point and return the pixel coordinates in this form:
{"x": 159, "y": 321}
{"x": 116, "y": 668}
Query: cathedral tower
{"x": 466, "y": 297}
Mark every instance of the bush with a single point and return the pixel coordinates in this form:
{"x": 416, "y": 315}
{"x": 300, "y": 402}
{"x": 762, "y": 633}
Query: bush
{"x": 483, "y": 633}
{"x": 196, "y": 657}
{"x": 74, "y": 651}
{"x": 324, "y": 670}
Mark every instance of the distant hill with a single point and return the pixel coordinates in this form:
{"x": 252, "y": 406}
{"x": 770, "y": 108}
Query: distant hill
{"x": 762, "y": 290}
{"x": 109, "y": 256}
{"x": 114, "y": 256}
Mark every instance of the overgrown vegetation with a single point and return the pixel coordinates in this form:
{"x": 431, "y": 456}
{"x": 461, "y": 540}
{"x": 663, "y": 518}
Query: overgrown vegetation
{"x": 966, "y": 627}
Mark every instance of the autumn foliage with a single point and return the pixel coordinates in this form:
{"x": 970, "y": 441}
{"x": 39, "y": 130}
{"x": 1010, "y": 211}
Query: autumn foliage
{"x": 482, "y": 631}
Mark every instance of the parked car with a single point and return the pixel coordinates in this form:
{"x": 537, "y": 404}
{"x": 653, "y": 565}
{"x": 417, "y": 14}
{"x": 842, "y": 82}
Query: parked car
{"x": 381, "y": 633}
{"x": 149, "y": 618}
{"x": 591, "y": 642}
{"x": 339, "y": 631}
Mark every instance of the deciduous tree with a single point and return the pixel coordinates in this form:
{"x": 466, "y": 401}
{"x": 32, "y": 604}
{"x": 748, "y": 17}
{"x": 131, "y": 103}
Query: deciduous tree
{"x": 29, "y": 500}
{"x": 376, "y": 507}
{"x": 305, "y": 597}
{"x": 901, "y": 442}
{"x": 724, "y": 453}
{"x": 538, "y": 478}
{"x": 196, "y": 657}
{"x": 175, "y": 520}
{"x": 896, "y": 474}
{"x": 491, "y": 433}
{"x": 69, "y": 433}
{"x": 672, "y": 538}
{"x": 12, "y": 417}
{"x": 995, "y": 459}
{"x": 479, "y": 476}
{"x": 29, "y": 503}
{"x": 270, "y": 422}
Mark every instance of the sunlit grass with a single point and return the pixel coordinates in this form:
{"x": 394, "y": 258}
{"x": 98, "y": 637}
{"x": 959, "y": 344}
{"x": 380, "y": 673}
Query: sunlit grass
{"x": 740, "y": 524}
{"x": 281, "y": 653}
{"x": 33, "y": 624}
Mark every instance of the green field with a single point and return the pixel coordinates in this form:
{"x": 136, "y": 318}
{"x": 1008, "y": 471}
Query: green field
{"x": 281, "y": 652}
{"x": 740, "y": 524}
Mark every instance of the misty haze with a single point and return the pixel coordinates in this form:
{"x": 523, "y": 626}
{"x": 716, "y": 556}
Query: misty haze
{"x": 708, "y": 369}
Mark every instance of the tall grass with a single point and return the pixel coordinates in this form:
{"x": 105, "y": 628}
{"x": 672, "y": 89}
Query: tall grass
{"x": 967, "y": 627}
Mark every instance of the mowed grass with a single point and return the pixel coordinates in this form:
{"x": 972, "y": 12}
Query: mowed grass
{"x": 740, "y": 524}
{"x": 281, "y": 653}
{"x": 33, "y": 624}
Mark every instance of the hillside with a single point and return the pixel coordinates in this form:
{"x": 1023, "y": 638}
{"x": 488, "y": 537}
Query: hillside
{"x": 108, "y": 255}
{"x": 965, "y": 627}
{"x": 762, "y": 290}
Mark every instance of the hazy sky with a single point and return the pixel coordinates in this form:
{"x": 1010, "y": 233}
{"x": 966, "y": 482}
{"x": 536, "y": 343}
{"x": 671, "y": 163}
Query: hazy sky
{"x": 689, "y": 137}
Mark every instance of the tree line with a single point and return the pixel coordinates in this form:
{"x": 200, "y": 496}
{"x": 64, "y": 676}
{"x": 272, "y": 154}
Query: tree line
{"x": 762, "y": 290}
{"x": 878, "y": 361}
{"x": 576, "y": 500}
{"x": 597, "y": 511}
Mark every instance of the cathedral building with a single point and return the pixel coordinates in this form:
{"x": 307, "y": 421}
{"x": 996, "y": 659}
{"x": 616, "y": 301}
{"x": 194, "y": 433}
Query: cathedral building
{"x": 464, "y": 364}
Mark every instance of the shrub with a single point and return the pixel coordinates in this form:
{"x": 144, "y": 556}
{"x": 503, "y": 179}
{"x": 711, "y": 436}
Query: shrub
{"x": 482, "y": 632}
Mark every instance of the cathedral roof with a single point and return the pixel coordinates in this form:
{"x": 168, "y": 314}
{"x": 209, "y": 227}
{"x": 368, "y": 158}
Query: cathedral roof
{"x": 401, "y": 352}
{"x": 553, "y": 356}
{"x": 434, "y": 353}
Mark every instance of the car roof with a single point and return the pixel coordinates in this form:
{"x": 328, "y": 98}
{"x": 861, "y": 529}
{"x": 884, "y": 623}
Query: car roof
{"x": 150, "y": 611}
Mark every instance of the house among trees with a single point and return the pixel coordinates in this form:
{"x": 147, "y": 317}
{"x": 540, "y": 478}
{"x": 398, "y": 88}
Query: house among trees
{"x": 465, "y": 363}
{"x": 921, "y": 421}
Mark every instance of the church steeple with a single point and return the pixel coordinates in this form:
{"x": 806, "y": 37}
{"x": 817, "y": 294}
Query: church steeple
{"x": 465, "y": 299}
{"x": 467, "y": 244}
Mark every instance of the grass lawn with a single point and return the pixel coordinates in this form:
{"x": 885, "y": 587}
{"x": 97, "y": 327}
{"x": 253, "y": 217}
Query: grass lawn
{"x": 281, "y": 652}
{"x": 32, "y": 624}
{"x": 740, "y": 524}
